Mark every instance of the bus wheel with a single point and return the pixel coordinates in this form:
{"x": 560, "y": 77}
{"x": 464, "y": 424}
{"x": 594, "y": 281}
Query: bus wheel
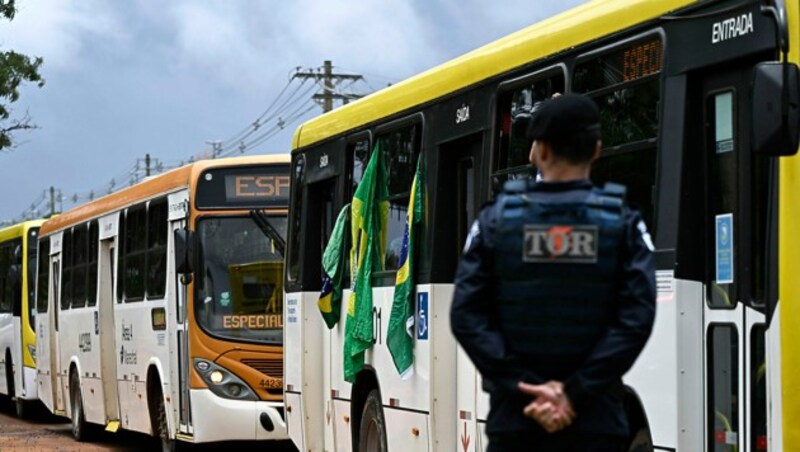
{"x": 9, "y": 377}
{"x": 641, "y": 442}
{"x": 372, "y": 433}
{"x": 161, "y": 427}
{"x": 76, "y": 403}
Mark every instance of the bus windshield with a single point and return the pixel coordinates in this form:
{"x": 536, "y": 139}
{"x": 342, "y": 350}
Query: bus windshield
{"x": 239, "y": 287}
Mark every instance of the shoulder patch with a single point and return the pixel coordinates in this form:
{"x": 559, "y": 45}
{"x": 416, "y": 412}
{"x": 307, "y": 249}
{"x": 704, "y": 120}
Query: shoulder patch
{"x": 574, "y": 244}
{"x": 474, "y": 231}
{"x": 645, "y": 235}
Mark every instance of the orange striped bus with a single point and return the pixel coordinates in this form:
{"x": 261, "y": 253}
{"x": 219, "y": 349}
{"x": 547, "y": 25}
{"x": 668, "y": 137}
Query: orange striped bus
{"x": 160, "y": 306}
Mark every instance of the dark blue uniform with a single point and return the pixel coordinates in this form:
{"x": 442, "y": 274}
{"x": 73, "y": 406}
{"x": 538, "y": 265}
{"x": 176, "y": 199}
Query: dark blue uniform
{"x": 555, "y": 283}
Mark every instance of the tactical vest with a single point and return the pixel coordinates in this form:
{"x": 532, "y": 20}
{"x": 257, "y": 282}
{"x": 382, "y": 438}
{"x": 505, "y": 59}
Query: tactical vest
{"x": 556, "y": 266}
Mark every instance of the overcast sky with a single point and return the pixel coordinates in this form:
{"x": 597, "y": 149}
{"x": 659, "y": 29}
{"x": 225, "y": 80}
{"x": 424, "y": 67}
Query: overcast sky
{"x": 128, "y": 78}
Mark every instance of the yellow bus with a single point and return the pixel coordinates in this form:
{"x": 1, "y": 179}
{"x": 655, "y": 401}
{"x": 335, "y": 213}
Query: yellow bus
{"x": 699, "y": 109}
{"x": 18, "y": 254}
{"x": 160, "y": 305}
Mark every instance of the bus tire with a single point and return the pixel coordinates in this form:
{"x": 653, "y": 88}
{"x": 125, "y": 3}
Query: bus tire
{"x": 77, "y": 417}
{"x": 9, "y": 376}
{"x": 372, "y": 432}
{"x": 641, "y": 442}
{"x": 160, "y": 425}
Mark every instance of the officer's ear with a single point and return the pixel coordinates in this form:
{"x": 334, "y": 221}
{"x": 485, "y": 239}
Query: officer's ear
{"x": 543, "y": 152}
{"x": 598, "y": 149}
{"x": 531, "y": 154}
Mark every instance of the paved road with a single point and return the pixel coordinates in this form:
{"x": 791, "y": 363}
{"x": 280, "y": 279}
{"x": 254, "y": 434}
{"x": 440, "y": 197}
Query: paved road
{"x": 44, "y": 431}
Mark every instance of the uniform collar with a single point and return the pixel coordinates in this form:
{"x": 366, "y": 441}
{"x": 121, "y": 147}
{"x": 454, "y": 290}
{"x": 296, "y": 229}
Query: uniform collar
{"x": 578, "y": 184}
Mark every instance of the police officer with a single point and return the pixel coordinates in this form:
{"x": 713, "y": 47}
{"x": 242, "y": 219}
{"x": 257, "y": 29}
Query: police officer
{"x": 555, "y": 294}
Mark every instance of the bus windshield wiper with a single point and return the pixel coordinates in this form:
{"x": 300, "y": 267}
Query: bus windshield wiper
{"x": 262, "y": 221}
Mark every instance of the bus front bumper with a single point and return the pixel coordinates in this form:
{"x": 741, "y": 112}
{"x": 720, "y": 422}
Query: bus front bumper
{"x": 218, "y": 419}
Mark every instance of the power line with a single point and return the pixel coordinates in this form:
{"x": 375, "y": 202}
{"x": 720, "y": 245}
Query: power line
{"x": 329, "y": 81}
{"x": 275, "y": 116}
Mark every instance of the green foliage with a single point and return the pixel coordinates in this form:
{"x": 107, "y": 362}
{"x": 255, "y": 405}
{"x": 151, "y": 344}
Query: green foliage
{"x": 7, "y": 8}
{"x": 15, "y": 69}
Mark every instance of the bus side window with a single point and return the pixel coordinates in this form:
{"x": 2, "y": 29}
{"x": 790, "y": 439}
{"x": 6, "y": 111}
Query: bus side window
{"x": 33, "y": 254}
{"x": 515, "y": 108}
{"x": 156, "y": 262}
{"x": 91, "y": 269}
{"x": 80, "y": 248}
{"x": 358, "y": 153}
{"x": 135, "y": 239}
{"x": 319, "y": 222}
{"x": 121, "y": 256}
{"x": 628, "y": 107}
{"x": 15, "y": 279}
{"x": 66, "y": 269}
{"x": 5, "y": 289}
{"x": 401, "y": 149}
{"x": 43, "y": 281}
{"x": 295, "y": 231}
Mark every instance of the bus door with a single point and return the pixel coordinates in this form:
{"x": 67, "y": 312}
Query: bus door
{"x": 736, "y": 222}
{"x": 460, "y": 162}
{"x": 55, "y": 351}
{"x": 108, "y": 359}
{"x": 179, "y": 337}
{"x": 44, "y": 327}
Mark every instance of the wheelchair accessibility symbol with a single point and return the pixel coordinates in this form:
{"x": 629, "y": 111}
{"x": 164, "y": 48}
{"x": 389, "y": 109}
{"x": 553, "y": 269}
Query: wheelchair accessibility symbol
{"x": 422, "y": 316}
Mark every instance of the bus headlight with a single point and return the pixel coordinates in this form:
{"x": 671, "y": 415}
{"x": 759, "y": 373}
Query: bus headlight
{"x": 223, "y": 382}
{"x": 32, "y": 351}
{"x": 216, "y": 377}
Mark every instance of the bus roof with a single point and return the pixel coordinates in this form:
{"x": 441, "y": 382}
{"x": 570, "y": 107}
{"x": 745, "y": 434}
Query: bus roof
{"x": 579, "y": 25}
{"x": 18, "y": 230}
{"x": 163, "y": 183}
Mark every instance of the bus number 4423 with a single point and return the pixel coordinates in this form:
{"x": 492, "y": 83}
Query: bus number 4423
{"x": 271, "y": 383}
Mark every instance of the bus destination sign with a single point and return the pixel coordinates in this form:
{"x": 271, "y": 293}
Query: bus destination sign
{"x": 249, "y": 187}
{"x": 641, "y": 60}
{"x": 624, "y": 64}
{"x": 252, "y": 187}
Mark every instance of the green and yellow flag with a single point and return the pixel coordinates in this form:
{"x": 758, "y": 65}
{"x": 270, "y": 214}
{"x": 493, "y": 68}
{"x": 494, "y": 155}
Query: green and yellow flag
{"x": 369, "y": 215}
{"x": 400, "y": 335}
{"x": 333, "y": 263}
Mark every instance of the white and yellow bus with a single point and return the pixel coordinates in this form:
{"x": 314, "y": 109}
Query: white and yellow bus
{"x": 699, "y": 110}
{"x": 18, "y": 254}
{"x": 160, "y": 306}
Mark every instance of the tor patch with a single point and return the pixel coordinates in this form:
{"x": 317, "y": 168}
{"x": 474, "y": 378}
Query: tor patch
{"x": 547, "y": 243}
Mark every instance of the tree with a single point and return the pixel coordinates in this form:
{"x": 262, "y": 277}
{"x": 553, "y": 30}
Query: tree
{"x": 15, "y": 68}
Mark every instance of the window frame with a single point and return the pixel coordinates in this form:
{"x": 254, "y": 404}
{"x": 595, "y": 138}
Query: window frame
{"x": 503, "y": 89}
{"x": 78, "y": 264}
{"x": 153, "y": 250}
{"x": 43, "y": 276}
{"x": 417, "y": 120}
{"x": 93, "y": 235}
{"x": 649, "y": 144}
{"x": 66, "y": 276}
{"x": 144, "y": 252}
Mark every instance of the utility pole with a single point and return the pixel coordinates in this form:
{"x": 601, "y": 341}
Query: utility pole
{"x": 216, "y": 148}
{"x": 147, "y": 165}
{"x": 52, "y": 201}
{"x": 329, "y": 81}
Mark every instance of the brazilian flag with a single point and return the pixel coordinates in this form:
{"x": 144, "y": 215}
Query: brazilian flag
{"x": 333, "y": 262}
{"x": 400, "y": 335}
{"x": 369, "y": 215}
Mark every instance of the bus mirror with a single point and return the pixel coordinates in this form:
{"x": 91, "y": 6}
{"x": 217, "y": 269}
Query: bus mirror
{"x": 184, "y": 253}
{"x": 776, "y": 113}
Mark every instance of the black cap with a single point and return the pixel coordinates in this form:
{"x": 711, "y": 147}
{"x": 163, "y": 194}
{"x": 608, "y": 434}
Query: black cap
{"x": 562, "y": 116}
